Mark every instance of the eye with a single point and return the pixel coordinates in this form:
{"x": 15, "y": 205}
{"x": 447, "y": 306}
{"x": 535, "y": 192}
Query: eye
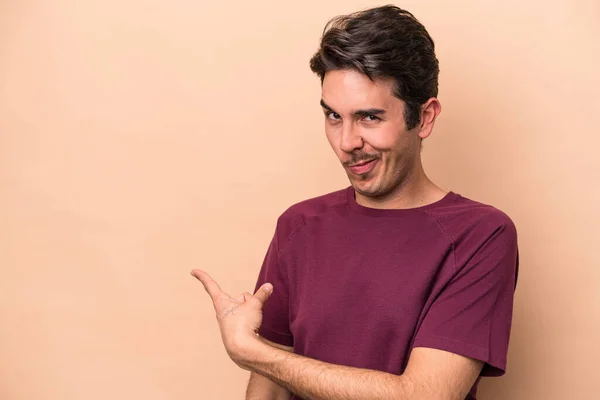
{"x": 332, "y": 115}
{"x": 372, "y": 118}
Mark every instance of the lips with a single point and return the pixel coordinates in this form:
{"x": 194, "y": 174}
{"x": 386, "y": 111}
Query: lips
{"x": 363, "y": 167}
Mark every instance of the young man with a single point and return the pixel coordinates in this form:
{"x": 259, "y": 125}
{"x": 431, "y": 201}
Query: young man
{"x": 392, "y": 288}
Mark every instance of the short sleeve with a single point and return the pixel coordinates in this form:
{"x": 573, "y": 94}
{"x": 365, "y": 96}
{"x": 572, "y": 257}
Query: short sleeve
{"x": 472, "y": 315}
{"x": 275, "y": 325}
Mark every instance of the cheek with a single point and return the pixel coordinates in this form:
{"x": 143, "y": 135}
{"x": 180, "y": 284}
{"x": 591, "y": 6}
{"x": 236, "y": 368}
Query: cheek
{"x": 382, "y": 139}
{"x": 333, "y": 137}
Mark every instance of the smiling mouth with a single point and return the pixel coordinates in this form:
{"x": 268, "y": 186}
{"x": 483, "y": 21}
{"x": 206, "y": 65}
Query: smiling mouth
{"x": 364, "y": 167}
{"x": 361, "y": 163}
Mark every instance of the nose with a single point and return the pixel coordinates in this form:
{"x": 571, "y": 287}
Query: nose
{"x": 350, "y": 139}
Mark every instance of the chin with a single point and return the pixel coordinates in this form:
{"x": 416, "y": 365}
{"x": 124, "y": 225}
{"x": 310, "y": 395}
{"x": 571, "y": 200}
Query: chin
{"x": 368, "y": 188}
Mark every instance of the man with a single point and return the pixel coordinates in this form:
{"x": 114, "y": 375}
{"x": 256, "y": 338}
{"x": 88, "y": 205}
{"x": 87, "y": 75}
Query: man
{"x": 392, "y": 288}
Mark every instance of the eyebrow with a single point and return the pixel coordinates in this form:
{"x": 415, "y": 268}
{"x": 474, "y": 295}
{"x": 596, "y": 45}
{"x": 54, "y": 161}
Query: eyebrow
{"x": 360, "y": 113}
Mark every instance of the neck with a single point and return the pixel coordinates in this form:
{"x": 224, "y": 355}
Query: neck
{"x": 416, "y": 190}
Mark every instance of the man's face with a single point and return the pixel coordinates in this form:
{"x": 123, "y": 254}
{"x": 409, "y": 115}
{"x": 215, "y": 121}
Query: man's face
{"x": 365, "y": 126}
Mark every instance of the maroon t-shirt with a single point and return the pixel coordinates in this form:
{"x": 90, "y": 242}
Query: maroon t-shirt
{"x": 361, "y": 287}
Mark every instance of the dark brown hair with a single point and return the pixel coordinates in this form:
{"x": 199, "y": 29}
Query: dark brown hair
{"x": 383, "y": 42}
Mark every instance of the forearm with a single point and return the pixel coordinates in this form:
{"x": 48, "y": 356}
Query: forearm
{"x": 262, "y": 388}
{"x": 313, "y": 379}
{"x": 430, "y": 373}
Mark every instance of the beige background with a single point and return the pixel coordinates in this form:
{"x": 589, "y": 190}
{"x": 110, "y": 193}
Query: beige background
{"x": 140, "y": 139}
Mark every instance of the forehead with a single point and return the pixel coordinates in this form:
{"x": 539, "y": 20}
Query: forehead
{"x": 349, "y": 89}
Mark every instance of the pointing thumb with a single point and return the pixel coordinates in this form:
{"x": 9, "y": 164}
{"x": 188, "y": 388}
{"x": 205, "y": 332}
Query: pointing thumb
{"x": 263, "y": 293}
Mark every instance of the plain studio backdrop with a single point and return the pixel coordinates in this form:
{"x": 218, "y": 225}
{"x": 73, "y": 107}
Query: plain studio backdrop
{"x": 141, "y": 139}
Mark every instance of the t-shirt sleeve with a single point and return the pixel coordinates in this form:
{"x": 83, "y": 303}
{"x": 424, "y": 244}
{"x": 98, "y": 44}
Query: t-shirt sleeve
{"x": 275, "y": 325}
{"x": 472, "y": 315}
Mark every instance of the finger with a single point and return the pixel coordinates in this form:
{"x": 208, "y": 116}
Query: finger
{"x": 263, "y": 293}
{"x": 212, "y": 288}
{"x": 243, "y": 297}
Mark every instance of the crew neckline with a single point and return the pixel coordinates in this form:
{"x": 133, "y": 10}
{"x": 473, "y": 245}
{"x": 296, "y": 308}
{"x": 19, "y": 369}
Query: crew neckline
{"x": 388, "y": 212}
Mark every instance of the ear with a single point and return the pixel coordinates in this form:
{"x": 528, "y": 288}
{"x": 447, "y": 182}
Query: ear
{"x": 429, "y": 113}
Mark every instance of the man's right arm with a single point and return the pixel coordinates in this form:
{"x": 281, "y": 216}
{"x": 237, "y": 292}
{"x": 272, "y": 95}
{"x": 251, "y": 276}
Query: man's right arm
{"x": 261, "y": 388}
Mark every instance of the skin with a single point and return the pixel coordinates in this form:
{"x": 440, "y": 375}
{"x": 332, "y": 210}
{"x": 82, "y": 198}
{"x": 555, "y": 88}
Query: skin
{"x": 363, "y": 121}
{"x": 356, "y": 132}
{"x": 430, "y": 374}
{"x": 262, "y": 388}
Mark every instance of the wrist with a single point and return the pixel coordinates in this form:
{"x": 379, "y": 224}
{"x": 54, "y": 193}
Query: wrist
{"x": 247, "y": 351}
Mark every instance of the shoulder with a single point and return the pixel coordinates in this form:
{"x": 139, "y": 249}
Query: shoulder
{"x": 299, "y": 213}
{"x": 484, "y": 238}
{"x": 470, "y": 223}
